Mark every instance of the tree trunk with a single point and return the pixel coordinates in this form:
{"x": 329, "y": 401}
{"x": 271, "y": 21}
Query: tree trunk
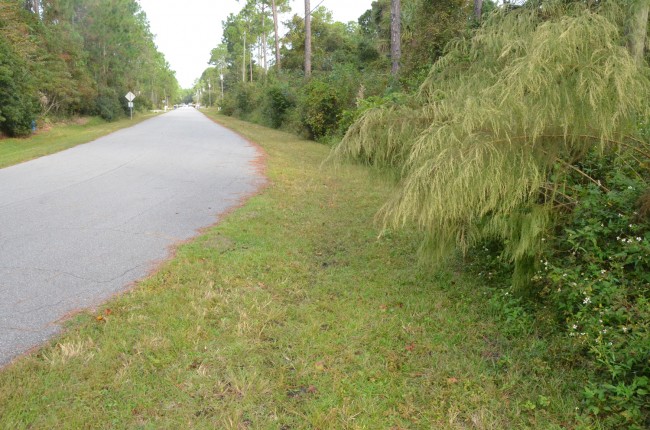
{"x": 277, "y": 37}
{"x": 307, "y": 39}
{"x": 637, "y": 29}
{"x": 264, "y": 38}
{"x": 478, "y": 8}
{"x": 243, "y": 67}
{"x": 395, "y": 35}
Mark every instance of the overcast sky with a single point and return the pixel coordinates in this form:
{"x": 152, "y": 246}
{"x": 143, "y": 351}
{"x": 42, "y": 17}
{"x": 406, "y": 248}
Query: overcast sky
{"x": 186, "y": 31}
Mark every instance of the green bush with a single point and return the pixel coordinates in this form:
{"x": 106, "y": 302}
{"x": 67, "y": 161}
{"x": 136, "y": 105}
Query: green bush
{"x": 321, "y": 108}
{"x": 228, "y": 104}
{"x": 18, "y": 105}
{"x": 245, "y": 98}
{"x": 596, "y": 275}
{"x": 277, "y": 102}
{"x": 108, "y": 105}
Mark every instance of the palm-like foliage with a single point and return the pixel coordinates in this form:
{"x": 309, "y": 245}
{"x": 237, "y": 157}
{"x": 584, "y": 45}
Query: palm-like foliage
{"x": 483, "y": 147}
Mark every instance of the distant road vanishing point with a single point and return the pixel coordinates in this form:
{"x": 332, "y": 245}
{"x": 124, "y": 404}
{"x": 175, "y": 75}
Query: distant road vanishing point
{"x": 81, "y": 225}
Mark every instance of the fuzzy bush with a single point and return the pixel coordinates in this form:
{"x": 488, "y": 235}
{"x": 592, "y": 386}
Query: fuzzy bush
{"x": 484, "y": 148}
{"x": 526, "y": 136}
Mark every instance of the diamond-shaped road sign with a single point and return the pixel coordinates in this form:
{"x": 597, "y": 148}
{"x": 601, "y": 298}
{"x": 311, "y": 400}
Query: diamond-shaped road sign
{"x": 130, "y": 96}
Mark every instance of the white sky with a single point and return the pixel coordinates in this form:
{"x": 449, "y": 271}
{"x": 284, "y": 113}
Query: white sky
{"x": 187, "y": 30}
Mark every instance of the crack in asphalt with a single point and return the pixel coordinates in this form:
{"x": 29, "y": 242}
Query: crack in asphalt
{"x": 72, "y": 275}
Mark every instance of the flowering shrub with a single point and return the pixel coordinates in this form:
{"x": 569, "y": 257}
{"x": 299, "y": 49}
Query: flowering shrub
{"x": 596, "y": 274}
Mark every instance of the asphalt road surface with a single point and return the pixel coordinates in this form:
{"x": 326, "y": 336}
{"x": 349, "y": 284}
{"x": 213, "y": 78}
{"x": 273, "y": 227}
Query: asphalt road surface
{"x": 79, "y": 226}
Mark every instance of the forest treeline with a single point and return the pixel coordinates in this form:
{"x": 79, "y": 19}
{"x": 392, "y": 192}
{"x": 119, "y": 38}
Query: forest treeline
{"x": 76, "y": 57}
{"x": 263, "y": 77}
{"x": 518, "y": 138}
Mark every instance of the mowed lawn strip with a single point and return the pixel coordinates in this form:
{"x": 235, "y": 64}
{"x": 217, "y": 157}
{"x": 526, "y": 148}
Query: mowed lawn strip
{"x": 60, "y": 137}
{"x": 293, "y": 314}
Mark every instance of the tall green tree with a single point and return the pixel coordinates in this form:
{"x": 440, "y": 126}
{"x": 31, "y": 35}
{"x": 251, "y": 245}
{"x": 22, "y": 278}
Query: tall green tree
{"x": 332, "y": 42}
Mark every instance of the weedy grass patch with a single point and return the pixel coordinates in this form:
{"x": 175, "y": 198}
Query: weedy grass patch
{"x": 293, "y": 313}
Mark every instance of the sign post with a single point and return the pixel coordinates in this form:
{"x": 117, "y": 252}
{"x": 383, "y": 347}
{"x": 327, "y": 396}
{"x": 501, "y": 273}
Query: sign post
{"x": 130, "y": 96}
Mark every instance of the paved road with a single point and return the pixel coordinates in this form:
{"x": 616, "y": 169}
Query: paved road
{"x": 78, "y": 226}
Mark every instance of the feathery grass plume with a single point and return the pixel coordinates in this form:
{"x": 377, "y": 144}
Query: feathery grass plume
{"x": 485, "y": 144}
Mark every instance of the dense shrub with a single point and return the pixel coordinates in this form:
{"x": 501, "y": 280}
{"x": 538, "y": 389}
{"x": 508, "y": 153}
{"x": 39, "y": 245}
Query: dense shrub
{"x": 108, "y": 105}
{"x": 245, "y": 97}
{"x": 325, "y": 97}
{"x": 278, "y": 100}
{"x": 228, "y": 103}
{"x": 18, "y": 105}
{"x": 518, "y": 137}
{"x": 596, "y": 275}
{"x": 321, "y": 107}
{"x": 593, "y": 287}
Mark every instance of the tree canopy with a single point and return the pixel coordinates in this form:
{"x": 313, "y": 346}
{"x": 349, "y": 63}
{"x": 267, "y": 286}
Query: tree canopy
{"x": 77, "y": 57}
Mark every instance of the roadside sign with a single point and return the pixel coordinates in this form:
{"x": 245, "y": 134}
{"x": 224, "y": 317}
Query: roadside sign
{"x": 130, "y": 96}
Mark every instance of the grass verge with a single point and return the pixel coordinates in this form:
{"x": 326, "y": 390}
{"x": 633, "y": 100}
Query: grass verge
{"x": 59, "y": 138}
{"x": 292, "y": 314}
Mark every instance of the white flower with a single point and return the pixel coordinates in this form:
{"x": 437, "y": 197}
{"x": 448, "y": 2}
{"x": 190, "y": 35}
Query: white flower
{"x": 602, "y": 272}
{"x": 638, "y": 239}
{"x": 575, "y": 326}
{"x": 586, "y": 301}
{"x": 625, "y": 329}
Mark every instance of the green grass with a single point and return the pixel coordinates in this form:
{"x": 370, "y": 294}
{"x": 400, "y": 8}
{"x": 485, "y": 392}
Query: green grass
{"x": 293, "y": 314}
{"x": 59, "y": 138}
